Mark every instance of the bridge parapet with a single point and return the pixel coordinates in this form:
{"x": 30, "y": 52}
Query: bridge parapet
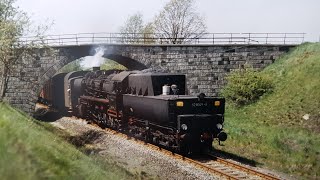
{"x": 157, "y": 39}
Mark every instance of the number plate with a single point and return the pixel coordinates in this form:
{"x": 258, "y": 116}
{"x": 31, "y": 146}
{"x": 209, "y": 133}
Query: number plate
{"x": 199, "y": 104}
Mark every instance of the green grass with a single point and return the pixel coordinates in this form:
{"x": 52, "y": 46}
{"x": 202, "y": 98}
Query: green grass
{"x": 110, "y": 64}
{"x": 272, "y": 131}
{"x": 29, "y": 151}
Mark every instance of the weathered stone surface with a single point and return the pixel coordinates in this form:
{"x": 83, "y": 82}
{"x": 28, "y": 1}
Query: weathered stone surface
{"x": 205, "y": 66}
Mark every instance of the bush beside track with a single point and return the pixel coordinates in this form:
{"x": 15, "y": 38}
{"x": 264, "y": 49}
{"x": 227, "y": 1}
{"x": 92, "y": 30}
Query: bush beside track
{"x": 281, "y": 130}
{"x": 29, "y": 151}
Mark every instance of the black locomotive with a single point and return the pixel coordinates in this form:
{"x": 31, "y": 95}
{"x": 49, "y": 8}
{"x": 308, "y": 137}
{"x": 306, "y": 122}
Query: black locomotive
{"x": 149, "y": 106}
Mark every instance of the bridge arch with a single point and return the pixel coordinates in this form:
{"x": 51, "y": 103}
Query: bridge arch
{"x": 50, "y": 64}
{"x": 65, "y": 55}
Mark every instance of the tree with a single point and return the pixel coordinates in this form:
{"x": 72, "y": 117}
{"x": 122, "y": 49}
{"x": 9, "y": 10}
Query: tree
{"x": 148, "y": 34}
{"x": 133, "y": 28}
{"x": 14, "y": 23}
{"x": 179, "y": 22}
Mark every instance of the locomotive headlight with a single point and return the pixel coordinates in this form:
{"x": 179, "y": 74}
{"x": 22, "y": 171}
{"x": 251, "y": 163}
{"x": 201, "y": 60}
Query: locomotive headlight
{"x": 217, "y": 103}
{"x": 184, "y": 127}
{"x": 219, "y": 126}
{"x": 179, "y": 103}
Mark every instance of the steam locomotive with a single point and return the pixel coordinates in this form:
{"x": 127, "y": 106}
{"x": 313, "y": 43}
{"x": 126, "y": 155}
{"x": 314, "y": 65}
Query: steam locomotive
{"x": 150, "y": 106}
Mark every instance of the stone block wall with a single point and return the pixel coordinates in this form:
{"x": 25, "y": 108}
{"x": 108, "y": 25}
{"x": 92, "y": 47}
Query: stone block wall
{"x": 205, "y": 66}
{"x": 25, "y": 81}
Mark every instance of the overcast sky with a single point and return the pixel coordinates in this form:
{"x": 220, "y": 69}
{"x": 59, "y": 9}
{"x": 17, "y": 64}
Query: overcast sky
{"x": 78, "y": 16}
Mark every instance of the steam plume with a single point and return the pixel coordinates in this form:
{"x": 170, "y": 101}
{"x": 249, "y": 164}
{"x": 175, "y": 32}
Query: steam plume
{"x": 96, "y": 60}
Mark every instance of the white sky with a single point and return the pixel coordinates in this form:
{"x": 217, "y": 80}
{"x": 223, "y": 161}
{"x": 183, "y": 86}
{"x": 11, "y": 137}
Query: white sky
{"x": 80, "y": 16}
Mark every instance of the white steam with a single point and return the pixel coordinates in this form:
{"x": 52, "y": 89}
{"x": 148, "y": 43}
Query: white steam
{"x": 94, "y": 61}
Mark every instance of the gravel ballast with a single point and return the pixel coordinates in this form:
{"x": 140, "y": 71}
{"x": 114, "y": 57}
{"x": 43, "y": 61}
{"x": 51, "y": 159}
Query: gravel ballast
{"x": 135, "y": 157}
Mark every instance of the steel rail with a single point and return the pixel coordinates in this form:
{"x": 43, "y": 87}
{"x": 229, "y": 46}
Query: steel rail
{"x": 243, "y": 168}
{"x": 209, "y": 169}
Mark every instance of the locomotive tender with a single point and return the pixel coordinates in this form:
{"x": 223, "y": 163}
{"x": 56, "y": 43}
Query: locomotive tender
{"x": 150, "y": 106}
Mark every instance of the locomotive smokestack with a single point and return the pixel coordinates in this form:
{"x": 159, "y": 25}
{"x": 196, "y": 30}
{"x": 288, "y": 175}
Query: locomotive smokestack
{"x": 95, "y": 68}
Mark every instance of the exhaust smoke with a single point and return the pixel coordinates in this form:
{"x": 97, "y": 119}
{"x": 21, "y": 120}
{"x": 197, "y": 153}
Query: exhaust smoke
{"x": 94, "y": 61}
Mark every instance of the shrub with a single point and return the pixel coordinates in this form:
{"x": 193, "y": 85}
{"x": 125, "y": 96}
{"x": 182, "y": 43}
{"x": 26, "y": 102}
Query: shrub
{"x": 246, "y": 86}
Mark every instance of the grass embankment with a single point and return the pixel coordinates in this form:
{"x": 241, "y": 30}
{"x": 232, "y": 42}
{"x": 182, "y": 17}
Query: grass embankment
{"x": 272, "y": 131}
{"x": 29, "y": 151}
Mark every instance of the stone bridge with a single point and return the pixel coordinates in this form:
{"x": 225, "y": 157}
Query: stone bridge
{"x": 205, "y": 65}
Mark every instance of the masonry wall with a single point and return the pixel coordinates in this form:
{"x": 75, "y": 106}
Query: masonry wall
{"x": 27, "y": 78}
{"x": 205, "y": 66}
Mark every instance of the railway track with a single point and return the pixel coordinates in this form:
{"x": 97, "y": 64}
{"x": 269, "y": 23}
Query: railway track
{"x": 242, "y": 168}
{"x": 214, "y": 165}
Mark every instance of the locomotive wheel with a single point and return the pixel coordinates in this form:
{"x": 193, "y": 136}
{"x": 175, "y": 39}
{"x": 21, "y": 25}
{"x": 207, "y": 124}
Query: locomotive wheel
{"x": 105, "y": 119}
{"x": 186, "y": 147}
{"x": 82, "y": 110}
{"x": 186, "y": 150}
{"x": 147, "y": 137}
